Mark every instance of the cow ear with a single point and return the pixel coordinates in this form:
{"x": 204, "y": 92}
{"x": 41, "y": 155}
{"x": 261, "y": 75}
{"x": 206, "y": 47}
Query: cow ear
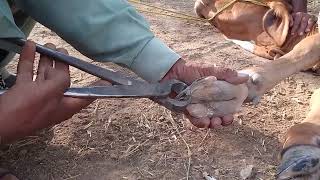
{"x": 276, "y": 22}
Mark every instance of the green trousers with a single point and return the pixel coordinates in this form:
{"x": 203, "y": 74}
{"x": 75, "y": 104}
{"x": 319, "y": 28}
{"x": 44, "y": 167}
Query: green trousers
{"x": 26, "y": 25}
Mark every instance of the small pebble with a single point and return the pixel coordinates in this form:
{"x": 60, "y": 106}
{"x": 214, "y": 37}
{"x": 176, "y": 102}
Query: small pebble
{"x": 247, "y": 172}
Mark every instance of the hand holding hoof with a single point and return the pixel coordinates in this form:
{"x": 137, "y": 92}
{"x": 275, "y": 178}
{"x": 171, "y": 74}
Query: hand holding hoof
{"x": 214, "y": 102}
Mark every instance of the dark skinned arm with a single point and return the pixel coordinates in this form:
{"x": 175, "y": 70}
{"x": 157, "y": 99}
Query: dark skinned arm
{"x": 299, "y": 5}
{"x": 301, "y": 21}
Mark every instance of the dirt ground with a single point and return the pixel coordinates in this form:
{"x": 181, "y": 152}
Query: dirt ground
{"x": 137, "y": 139}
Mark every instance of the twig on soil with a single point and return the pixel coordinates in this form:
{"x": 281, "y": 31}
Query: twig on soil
{"x": 163, "y": 155}
{"x": 204, "y": 138}
{"x": 107, "y": 124}
{"x": 142, "y": 174}
{"x": 139, "y": 171}
{"x": 72, "y": 177}
{"x": 129, "y": 151}
{"x": 27, "y": 142}
{"x": 165, "y": 160}
{"x": 96, "y": 110}
{"x": 184, "y": 141}
{"x": 96, "y": 113}
{"x": 151, "y": 174}
{"x": 258, "y": 150}
{"x": 88, "y": 125}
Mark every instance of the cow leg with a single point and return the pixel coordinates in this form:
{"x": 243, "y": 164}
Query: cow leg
{"x": 305, "y": 55}
{"x": 316, "y": 68}
{"x": 270, "y": 53}
{"x": 301, "y": 152}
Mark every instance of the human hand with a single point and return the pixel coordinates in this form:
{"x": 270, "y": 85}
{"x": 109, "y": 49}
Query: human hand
{"x": 32, "y": 104}
{"x": 189, "y": 72}
{"x": 302, "y": 23}
{"x": 211, "y": 100}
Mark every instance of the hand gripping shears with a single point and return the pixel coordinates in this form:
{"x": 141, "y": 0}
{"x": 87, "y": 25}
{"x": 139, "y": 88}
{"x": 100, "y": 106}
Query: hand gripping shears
{"x": 166, "y": 93}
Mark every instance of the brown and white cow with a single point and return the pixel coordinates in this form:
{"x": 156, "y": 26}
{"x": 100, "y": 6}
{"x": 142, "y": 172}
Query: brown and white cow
{"x": 262, "y": 27}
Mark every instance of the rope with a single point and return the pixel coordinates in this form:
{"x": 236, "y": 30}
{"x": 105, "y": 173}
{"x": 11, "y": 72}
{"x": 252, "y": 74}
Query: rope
{"x": 180, "y": 15}
{"x": 224, "y": 7}
{"x": 166, "y": 12}
{"x": 257, "y": 2}
{"x": 171, "y": 15}
{"x": 230, "y": 3}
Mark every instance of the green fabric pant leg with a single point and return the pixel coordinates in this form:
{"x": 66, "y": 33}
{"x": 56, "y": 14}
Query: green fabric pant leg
{"x": 7, "y": 79}
{"x": 26, "y": 28}
{"x": 21, "y": 25}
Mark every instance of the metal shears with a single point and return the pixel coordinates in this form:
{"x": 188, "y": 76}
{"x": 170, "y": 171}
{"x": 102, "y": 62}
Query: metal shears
{"x": 122, "y": 85}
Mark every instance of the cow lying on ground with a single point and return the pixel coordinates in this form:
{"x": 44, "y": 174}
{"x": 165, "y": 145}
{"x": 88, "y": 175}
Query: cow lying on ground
{"x": 266, "y": 24}
{"x": 262, "y": 29}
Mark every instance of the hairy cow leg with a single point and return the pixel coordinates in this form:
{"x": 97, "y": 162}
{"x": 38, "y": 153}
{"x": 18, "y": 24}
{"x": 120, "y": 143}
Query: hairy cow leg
{"x": 301, "y": 148}
{"x": 271, "y": 53}
{"x": 305, "y": 55}
{"x": 301, "y": 157}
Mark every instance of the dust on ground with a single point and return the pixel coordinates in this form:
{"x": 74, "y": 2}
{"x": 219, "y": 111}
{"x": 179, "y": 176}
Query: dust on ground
{"x": 137, "y": 139}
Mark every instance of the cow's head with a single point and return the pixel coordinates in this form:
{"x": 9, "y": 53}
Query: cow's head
{"x": 266, "y": 25}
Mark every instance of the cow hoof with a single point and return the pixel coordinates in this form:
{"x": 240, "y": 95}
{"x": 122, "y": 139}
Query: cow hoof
{"x": 316, "y": 69}
{"x": 300, "y": 163}
{"x": 256, "y": 85}
{"x": 315, "y": 72}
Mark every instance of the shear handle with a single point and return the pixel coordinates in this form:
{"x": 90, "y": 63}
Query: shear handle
{"x": 105, "y": 74}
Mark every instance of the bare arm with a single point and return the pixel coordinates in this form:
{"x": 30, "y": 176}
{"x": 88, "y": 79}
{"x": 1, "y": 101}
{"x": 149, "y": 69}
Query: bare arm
{"x": 301, "y": 22}
{"x": 299, "y": 5}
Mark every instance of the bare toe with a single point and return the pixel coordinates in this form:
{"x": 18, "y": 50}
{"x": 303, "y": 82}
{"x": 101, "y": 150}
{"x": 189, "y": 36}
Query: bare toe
{"x": 215, "y": 122}
{"x": 199, "y": 123}
{"x": 227, "y": 120}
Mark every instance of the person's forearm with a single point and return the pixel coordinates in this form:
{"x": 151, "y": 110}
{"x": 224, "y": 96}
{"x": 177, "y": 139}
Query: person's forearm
{"x": 299, "y": 5}
{"x": 106, "y": 31}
